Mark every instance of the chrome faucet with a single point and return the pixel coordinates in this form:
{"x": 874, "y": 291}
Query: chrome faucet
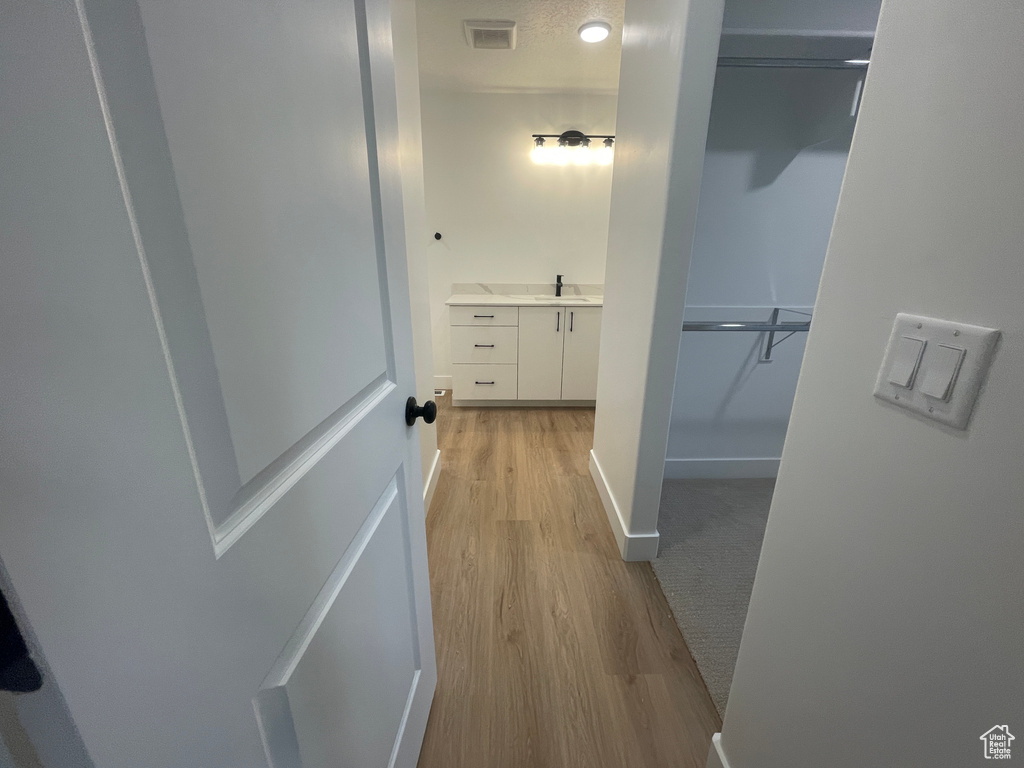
{"x": 558, "y": 285}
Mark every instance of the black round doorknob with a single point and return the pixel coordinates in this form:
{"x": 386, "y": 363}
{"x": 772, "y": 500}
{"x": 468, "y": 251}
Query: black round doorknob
{"x": 428, "y": 411}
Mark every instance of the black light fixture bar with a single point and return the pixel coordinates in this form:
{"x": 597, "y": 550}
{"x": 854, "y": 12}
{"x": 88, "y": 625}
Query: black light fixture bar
{"x": 575, "y": 140}
{"x": 560, "y": 135}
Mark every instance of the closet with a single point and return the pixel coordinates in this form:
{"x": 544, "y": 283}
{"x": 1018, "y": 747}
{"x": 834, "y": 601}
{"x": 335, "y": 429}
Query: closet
{"x": 782, "y": 120}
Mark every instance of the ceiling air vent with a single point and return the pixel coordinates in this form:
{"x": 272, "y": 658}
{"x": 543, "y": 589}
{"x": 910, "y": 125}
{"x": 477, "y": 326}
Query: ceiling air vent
{"x": 491, "y": 35}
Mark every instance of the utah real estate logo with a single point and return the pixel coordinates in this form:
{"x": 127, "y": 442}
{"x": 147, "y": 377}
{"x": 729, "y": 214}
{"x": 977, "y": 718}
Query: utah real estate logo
{"x": 997, "y": 742}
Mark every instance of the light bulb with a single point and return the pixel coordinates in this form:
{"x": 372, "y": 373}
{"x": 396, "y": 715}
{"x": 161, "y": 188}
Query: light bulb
{"x": 538, "y": 154}
{"x": 594, "y": 31}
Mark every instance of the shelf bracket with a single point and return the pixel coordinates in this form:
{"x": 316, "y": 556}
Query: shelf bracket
{"x": 770, "y": 342}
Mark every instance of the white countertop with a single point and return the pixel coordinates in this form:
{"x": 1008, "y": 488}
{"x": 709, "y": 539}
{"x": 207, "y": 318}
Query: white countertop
{"x": 522, "y": 300}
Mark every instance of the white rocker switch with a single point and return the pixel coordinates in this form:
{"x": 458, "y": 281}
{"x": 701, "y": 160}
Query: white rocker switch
{"x": 935, "y": 368}
{"x": 906, "y": 360}
{"x": 940, "y": 377}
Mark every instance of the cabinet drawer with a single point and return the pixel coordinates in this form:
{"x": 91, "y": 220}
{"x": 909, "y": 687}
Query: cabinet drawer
{"x": 483, "y": 344}
{"x": 484, "y": 315}
{"x": 471, "y": 381}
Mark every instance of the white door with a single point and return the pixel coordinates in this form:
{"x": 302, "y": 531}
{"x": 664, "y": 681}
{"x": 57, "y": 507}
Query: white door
{"x": 540, "y": 352}
{"x": 579, "y": 358}
{"x": 211, "y": 517}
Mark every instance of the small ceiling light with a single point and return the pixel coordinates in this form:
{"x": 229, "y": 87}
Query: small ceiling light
{"x": 608, "y": 143}
{"x": 539, "y": 141}
{"x": 594, "y": 31}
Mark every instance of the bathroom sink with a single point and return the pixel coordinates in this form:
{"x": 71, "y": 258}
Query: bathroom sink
{"x": 552, "y": 297}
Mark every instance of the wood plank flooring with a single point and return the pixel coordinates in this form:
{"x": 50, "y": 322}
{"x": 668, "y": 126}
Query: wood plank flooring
{"x": 552, "y": 651}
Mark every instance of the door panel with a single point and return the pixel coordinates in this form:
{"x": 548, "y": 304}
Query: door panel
{"x": 273, "y": 177}
{"x": 325, "y": 701}
{"x": 540, "y": 352}
{"x": 579, "y": 358}
{"x": 212, "y": 505}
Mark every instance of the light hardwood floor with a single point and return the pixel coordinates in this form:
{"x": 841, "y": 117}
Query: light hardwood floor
{"x": 552, "y": 651}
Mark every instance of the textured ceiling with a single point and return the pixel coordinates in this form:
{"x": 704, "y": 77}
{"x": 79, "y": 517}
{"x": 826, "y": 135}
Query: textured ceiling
{"x": 549, "y": 55}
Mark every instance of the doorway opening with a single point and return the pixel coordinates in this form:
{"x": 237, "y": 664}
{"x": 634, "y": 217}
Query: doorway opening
{"x": 551, "y": 649}
{"x": 782, "y": 118}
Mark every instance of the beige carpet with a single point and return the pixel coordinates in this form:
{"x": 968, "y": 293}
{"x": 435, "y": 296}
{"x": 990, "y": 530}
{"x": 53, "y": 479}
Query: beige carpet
{"x": 711, "y": 533}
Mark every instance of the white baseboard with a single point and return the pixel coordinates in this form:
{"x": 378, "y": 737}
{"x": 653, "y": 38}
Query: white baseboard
{"x": 442, "y": 382}
{"x": 431, "y": 484}
{"x": 716, "y": 757}
{"x": 717, "y": 469}
{"x": 632, "y": 546}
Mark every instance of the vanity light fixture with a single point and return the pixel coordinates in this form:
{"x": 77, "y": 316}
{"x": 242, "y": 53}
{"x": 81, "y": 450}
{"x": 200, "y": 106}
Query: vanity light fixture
{"x": 595, "y": 31}
{"x": 573, "y": 149}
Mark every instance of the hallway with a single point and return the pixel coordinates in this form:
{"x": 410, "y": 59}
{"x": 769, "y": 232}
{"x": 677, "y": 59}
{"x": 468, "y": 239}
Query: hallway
{"x": 552, "y": 651}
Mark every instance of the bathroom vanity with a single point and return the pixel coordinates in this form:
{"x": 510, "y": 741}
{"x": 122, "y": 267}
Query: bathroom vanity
{"x": 522, "y": 349}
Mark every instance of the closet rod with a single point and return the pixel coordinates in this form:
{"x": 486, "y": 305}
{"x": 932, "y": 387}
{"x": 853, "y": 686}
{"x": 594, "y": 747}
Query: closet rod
{"x": 781, "y": 327}
{"x": 772, "y": 327}
{"x": 743, "y": 61}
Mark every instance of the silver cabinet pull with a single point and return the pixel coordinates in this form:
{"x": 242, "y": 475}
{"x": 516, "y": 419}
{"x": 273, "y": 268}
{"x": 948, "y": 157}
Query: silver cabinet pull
{"x": 490, "y": 316}
{"x": 485, "y": 382}
{"x": 558, "y": 321}
{"x": 571, "y": 318}
{"x": 484, "y": 346}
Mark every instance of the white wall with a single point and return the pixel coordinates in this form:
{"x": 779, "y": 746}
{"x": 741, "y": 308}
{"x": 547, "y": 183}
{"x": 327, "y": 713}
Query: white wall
{"x": 804, "y": 15}
{"x": 407, "y": 85}
{"x": 885, "y": 625}
{"x": 504, "y": 219}
{"x": 777, "y": 146}
{"x": 669, "y": 52}
{"x": 840, "y": 29}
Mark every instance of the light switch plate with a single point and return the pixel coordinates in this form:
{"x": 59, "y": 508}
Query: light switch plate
{"x": 978, "y": 344}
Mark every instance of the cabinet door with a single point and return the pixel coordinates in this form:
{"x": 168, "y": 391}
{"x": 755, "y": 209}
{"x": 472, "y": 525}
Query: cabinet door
{"x": 579, "y": 361}
{"x": 541, "y": 330}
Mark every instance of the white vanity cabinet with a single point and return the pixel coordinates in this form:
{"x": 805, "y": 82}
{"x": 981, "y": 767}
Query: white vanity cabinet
{"x": 524, "y": 353}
